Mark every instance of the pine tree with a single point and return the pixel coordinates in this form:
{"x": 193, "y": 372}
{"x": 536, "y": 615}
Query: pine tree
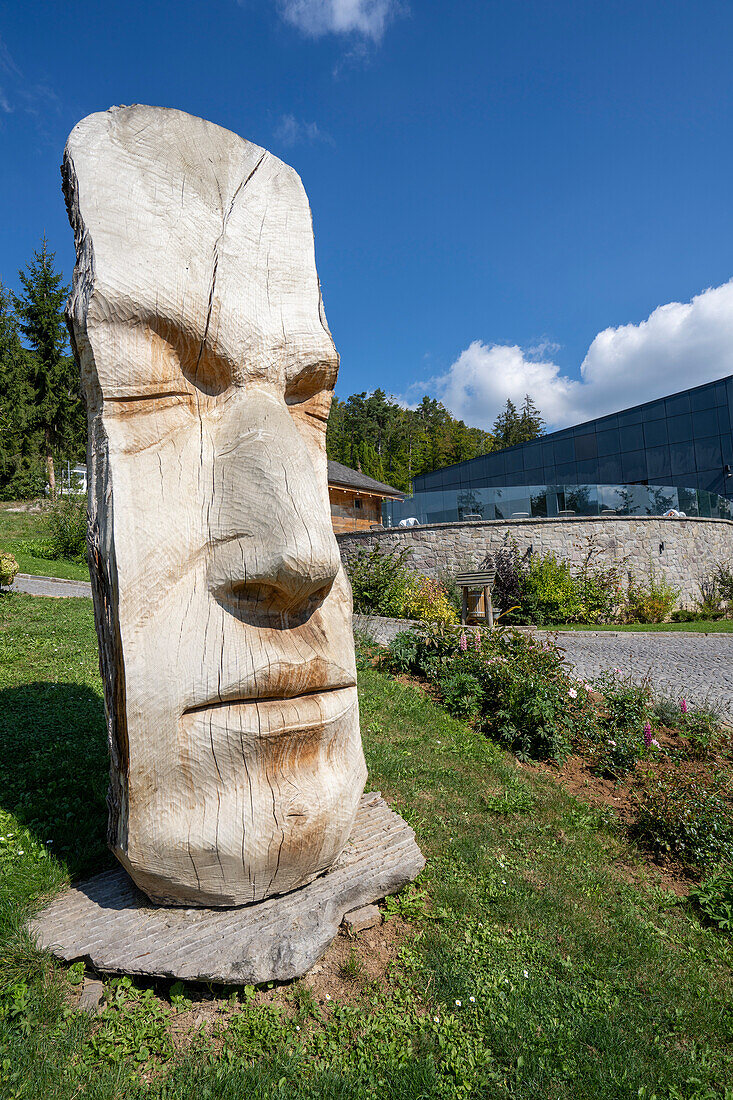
{"x": 58, "y": 407}
{"x": 20, "y": 473}
{"x": 506, "y": 426}
{"x": 531, "y": 423}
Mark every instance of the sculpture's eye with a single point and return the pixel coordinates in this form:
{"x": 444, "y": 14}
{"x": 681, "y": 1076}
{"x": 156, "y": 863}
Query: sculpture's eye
{"x": 316, "y": 406}
{"x": 205, "y": 370}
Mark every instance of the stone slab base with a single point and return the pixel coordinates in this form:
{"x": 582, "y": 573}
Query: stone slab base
{"x": 110, "y": 924}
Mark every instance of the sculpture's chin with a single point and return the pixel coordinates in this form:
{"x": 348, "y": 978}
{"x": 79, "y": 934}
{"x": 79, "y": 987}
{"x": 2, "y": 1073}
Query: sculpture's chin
{"x": 283, "y": 780}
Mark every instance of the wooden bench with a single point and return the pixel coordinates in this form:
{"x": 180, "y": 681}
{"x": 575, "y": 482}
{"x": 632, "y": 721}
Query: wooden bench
{"x": 481, "y": 580}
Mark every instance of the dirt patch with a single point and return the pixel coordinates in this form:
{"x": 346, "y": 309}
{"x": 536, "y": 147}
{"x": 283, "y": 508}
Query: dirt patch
{"x": 352, "y": 967}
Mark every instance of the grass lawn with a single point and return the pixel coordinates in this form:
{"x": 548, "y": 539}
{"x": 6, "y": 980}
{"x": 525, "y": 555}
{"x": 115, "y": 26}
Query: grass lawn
{"x": 18, "y": 529}
{"x": 712, "y": 626}
{"x": 541, "y": 957}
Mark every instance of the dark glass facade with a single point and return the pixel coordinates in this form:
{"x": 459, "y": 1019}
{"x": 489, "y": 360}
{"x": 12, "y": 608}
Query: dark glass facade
{"x": 684, "y": 440}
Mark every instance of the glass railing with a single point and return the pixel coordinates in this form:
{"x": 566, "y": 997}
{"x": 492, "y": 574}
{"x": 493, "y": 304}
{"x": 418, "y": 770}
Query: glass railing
{"x": 548, "y": 501}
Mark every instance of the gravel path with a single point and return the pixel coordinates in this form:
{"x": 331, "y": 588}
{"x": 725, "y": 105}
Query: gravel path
{"x": 696, "y": 666}
{"x": 50, "y": 586}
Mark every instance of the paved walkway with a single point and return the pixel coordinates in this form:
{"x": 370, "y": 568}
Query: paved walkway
{"x": 50, "y": 586}
{"x": 696, "y": 666}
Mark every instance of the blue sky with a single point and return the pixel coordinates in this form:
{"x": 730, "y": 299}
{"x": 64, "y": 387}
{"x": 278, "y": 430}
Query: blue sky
{"x": 533, "y": 194}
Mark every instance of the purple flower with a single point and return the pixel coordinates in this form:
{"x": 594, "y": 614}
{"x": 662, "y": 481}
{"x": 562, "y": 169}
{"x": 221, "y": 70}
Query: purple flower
{"x": 476, "y": 641}
{"x": 463, "y": 642}
{"x": 683, "y": 706}
{"x": 647, "y": 734}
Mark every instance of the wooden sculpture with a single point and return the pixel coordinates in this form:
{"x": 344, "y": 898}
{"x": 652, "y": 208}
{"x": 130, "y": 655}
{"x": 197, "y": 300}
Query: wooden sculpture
{"x": 222, "y": 608}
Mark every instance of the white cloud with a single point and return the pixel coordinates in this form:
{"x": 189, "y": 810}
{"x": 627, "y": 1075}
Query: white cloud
{"x": 680, "y": 344}
{"x": 292, "y": 131}
{"x": 365, "y": 18}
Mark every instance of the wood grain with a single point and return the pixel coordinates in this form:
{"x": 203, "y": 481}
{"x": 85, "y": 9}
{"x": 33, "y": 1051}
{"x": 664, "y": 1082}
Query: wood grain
{"x": 222, "y": 609}
{"x": 112, "y": 926}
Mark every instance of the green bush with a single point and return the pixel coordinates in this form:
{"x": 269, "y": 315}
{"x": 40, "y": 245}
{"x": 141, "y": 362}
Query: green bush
{"x": 650, "y": 599}
{"x": 546, "y": 591}
{"x": 8, "y": 568}
{"x": 461, "y": 694}
{"x": 687, "y": 815}
{"x": 379, "y": 581}
{"x": 685, "y": 616}
{"x": 517, "y": 689}
{"x": 68, "y": 523}
{"x": 702, "y": 729}
{"x": 402, "y": 652}
{"x": 714, "y": 897}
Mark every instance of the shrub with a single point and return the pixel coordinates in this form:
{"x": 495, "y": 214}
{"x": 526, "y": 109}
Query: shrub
{"x": 549, "y": 592}
{"x": 702, "y": 729}
{"x": 651, "y": 599}
{"x": 683, "y": 615}
{"x": 402, "y": 652}
{"x": 516, "y": 688}
{"x": 667, "y": 712}
{"x": 687, "y": 815}
{"x": 461, "y": 694}
{"x": 427, "y": 600}
{"x": 724, "y": 580}
{"x": 8, "y": 569}
{"x": 619, "y": 732}
{"x": 714, "y": 897}
{"x": 68, "y": 523}
{"x": 380, "y": 581}
{"x": 507, "y": 591}
{"x": 711, "y": 604}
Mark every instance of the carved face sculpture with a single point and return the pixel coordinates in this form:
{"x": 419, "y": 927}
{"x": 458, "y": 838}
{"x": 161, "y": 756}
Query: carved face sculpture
{"x": 223, "y": 612}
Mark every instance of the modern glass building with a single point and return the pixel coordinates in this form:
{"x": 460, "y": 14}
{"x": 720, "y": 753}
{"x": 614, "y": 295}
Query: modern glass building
{"x": 676, "y": 452}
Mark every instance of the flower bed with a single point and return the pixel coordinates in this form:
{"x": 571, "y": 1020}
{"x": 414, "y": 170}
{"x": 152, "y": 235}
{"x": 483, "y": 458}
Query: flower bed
{"x": 666, "y": 766}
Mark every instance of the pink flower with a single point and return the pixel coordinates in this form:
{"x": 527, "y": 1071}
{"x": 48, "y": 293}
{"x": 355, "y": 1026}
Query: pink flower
{"x": 573, "y": 693}
{"x": 656, "y": 743}
{"x": 683, "y": 706}
{"x": 647, "y": 734}
{"x": 463, "y": 642}
{"x": 476, "y": 641}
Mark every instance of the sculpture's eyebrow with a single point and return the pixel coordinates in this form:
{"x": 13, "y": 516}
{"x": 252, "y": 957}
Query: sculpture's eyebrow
{"x": 147, "y": 396}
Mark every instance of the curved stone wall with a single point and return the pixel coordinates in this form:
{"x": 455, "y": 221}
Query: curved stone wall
{"x": 685, "y": 550}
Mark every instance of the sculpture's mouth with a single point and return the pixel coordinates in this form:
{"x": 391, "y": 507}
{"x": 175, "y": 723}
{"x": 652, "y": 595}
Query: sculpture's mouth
{"x": 277, "y": 714}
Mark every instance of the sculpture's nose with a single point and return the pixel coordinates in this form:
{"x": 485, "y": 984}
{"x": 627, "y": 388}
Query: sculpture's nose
{"x": 272, "y": 542}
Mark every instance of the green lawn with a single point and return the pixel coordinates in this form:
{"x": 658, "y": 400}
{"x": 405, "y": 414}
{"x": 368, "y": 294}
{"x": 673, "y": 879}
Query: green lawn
{"x": 712, "y": 626}
{"x": 545, "y": 960}
{"x": 18, "y": 529}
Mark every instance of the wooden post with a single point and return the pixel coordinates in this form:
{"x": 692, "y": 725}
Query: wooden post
{"x": 488, "y": 608}
{"x": 464, "y": 605}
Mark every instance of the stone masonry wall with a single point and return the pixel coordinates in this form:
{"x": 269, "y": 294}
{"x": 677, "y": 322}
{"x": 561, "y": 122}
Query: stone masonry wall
{"x": 683, "y": 549}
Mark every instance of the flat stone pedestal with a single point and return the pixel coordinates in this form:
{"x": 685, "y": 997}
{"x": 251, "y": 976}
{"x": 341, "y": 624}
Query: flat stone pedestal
{"x": 111, "y": 924}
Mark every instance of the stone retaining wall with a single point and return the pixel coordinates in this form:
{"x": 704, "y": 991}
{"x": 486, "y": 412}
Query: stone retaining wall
{"x": 683, "y": 549}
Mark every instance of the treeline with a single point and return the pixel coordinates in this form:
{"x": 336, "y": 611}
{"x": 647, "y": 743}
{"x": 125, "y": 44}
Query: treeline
{"x": 385, "y": 441}
{"x": 42, "y": 414}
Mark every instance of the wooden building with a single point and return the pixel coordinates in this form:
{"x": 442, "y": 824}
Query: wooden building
{"x": 356, "y": 500}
